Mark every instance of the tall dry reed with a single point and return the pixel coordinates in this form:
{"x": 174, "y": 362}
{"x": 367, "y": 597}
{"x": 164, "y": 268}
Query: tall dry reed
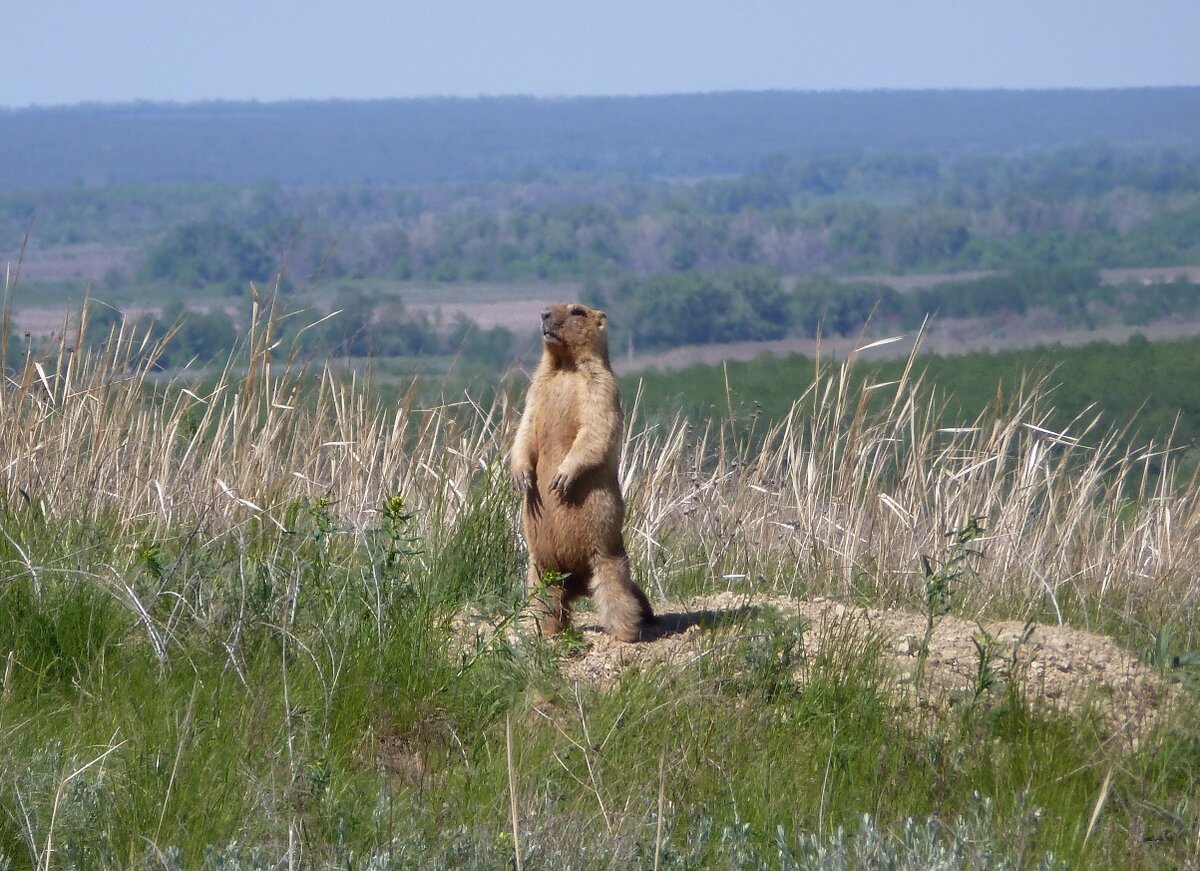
{"x": 843, "y": 495}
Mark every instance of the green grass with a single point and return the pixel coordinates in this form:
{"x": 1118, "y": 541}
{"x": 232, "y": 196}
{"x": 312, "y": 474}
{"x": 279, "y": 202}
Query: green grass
{"x": 292, "y": 715}
{"x": 235, "y": 630}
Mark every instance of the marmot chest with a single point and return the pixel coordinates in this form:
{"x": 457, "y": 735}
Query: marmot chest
{"x": 559, "y": 416}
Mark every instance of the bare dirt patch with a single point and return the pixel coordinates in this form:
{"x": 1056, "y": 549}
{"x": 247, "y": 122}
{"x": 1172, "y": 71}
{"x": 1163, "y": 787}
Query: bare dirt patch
{"x": 68, "y": 262}
{"x": 519, "y": 315}
{"x": 1151, "y": 274}
{"x": 43, "y": 321}
{"x": 1055, "y": 667}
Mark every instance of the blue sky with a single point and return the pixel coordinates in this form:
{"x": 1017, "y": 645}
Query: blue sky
{"x": 58, "y": 52}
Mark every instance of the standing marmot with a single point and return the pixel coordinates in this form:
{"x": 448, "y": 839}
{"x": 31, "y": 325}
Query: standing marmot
{"x": 564, "y": 460}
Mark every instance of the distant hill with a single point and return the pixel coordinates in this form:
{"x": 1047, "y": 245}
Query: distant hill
{"x": 451, "y": 140}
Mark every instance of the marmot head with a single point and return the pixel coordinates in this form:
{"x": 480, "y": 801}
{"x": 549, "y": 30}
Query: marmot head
{"x": 572, "y": 330}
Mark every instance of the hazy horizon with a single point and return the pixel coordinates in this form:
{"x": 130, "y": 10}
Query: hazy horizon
{"x": 553, "y": 98}
{"x": 219, "y": 50}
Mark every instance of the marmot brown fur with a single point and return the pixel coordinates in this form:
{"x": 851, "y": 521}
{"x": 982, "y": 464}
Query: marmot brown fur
{"x": 564, "y": 461}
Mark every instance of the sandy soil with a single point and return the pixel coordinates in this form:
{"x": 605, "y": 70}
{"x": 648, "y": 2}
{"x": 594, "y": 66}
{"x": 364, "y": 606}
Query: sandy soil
{"x": 1055, "y": 666}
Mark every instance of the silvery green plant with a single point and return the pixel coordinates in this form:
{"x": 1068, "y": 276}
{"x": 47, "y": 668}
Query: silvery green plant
{"x": 63, "y": 803}
{"x": 976, "y": 841}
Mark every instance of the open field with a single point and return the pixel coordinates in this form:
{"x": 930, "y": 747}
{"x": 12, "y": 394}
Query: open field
{"x": 269, "y": 598}
{"x": 946, "y": 337}
{"x": 87, "y": 262}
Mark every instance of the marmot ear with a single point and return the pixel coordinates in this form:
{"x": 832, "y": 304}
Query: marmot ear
{"x": 601, "y": 320}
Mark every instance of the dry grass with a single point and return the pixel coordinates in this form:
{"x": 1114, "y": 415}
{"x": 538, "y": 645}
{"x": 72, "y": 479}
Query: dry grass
{"x": 349, "y": 724}
{"x": 843, "y": 495}
{"x": 97, "y": 430}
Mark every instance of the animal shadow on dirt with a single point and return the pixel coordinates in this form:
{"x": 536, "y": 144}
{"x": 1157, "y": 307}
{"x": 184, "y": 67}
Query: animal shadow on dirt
{"x": 671, "y": 623}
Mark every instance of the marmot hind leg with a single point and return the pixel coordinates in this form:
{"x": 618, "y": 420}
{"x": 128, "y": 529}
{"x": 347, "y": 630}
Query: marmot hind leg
{"x": 548, "y": 604}
{"x": 624, "y": 610}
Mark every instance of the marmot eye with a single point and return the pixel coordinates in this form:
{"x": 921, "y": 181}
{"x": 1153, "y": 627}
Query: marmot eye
{"x": 578, "y": 311}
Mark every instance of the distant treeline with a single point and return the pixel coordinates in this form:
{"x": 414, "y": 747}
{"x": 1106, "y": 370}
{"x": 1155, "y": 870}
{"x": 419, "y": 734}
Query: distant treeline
{"x": 388, "y": 142}
{"x": 753, "y": 305}
{"x": 1093, "y": 207}
{"x": 665, "y": 311}
{"x": 1066, "y": 297}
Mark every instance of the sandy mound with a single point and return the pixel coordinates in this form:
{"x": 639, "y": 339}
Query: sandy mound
{"x": 1055, "y": 666}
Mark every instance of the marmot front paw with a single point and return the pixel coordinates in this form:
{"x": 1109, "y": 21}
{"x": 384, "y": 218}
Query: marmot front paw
{"x": 562, "y": 482}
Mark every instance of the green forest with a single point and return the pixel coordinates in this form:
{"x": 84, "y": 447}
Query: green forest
{"x": 1095, "y": 206}
{"x": 798, "y": 246}
{"x": 404, "y": 142}
{"x": 752, "y": 305}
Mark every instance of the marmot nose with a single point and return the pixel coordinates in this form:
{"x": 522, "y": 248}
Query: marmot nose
{"x": 546, "y": 314}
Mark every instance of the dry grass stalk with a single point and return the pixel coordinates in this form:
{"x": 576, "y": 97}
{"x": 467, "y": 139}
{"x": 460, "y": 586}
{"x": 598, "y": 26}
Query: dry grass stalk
{"x": 837, "y": 491}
